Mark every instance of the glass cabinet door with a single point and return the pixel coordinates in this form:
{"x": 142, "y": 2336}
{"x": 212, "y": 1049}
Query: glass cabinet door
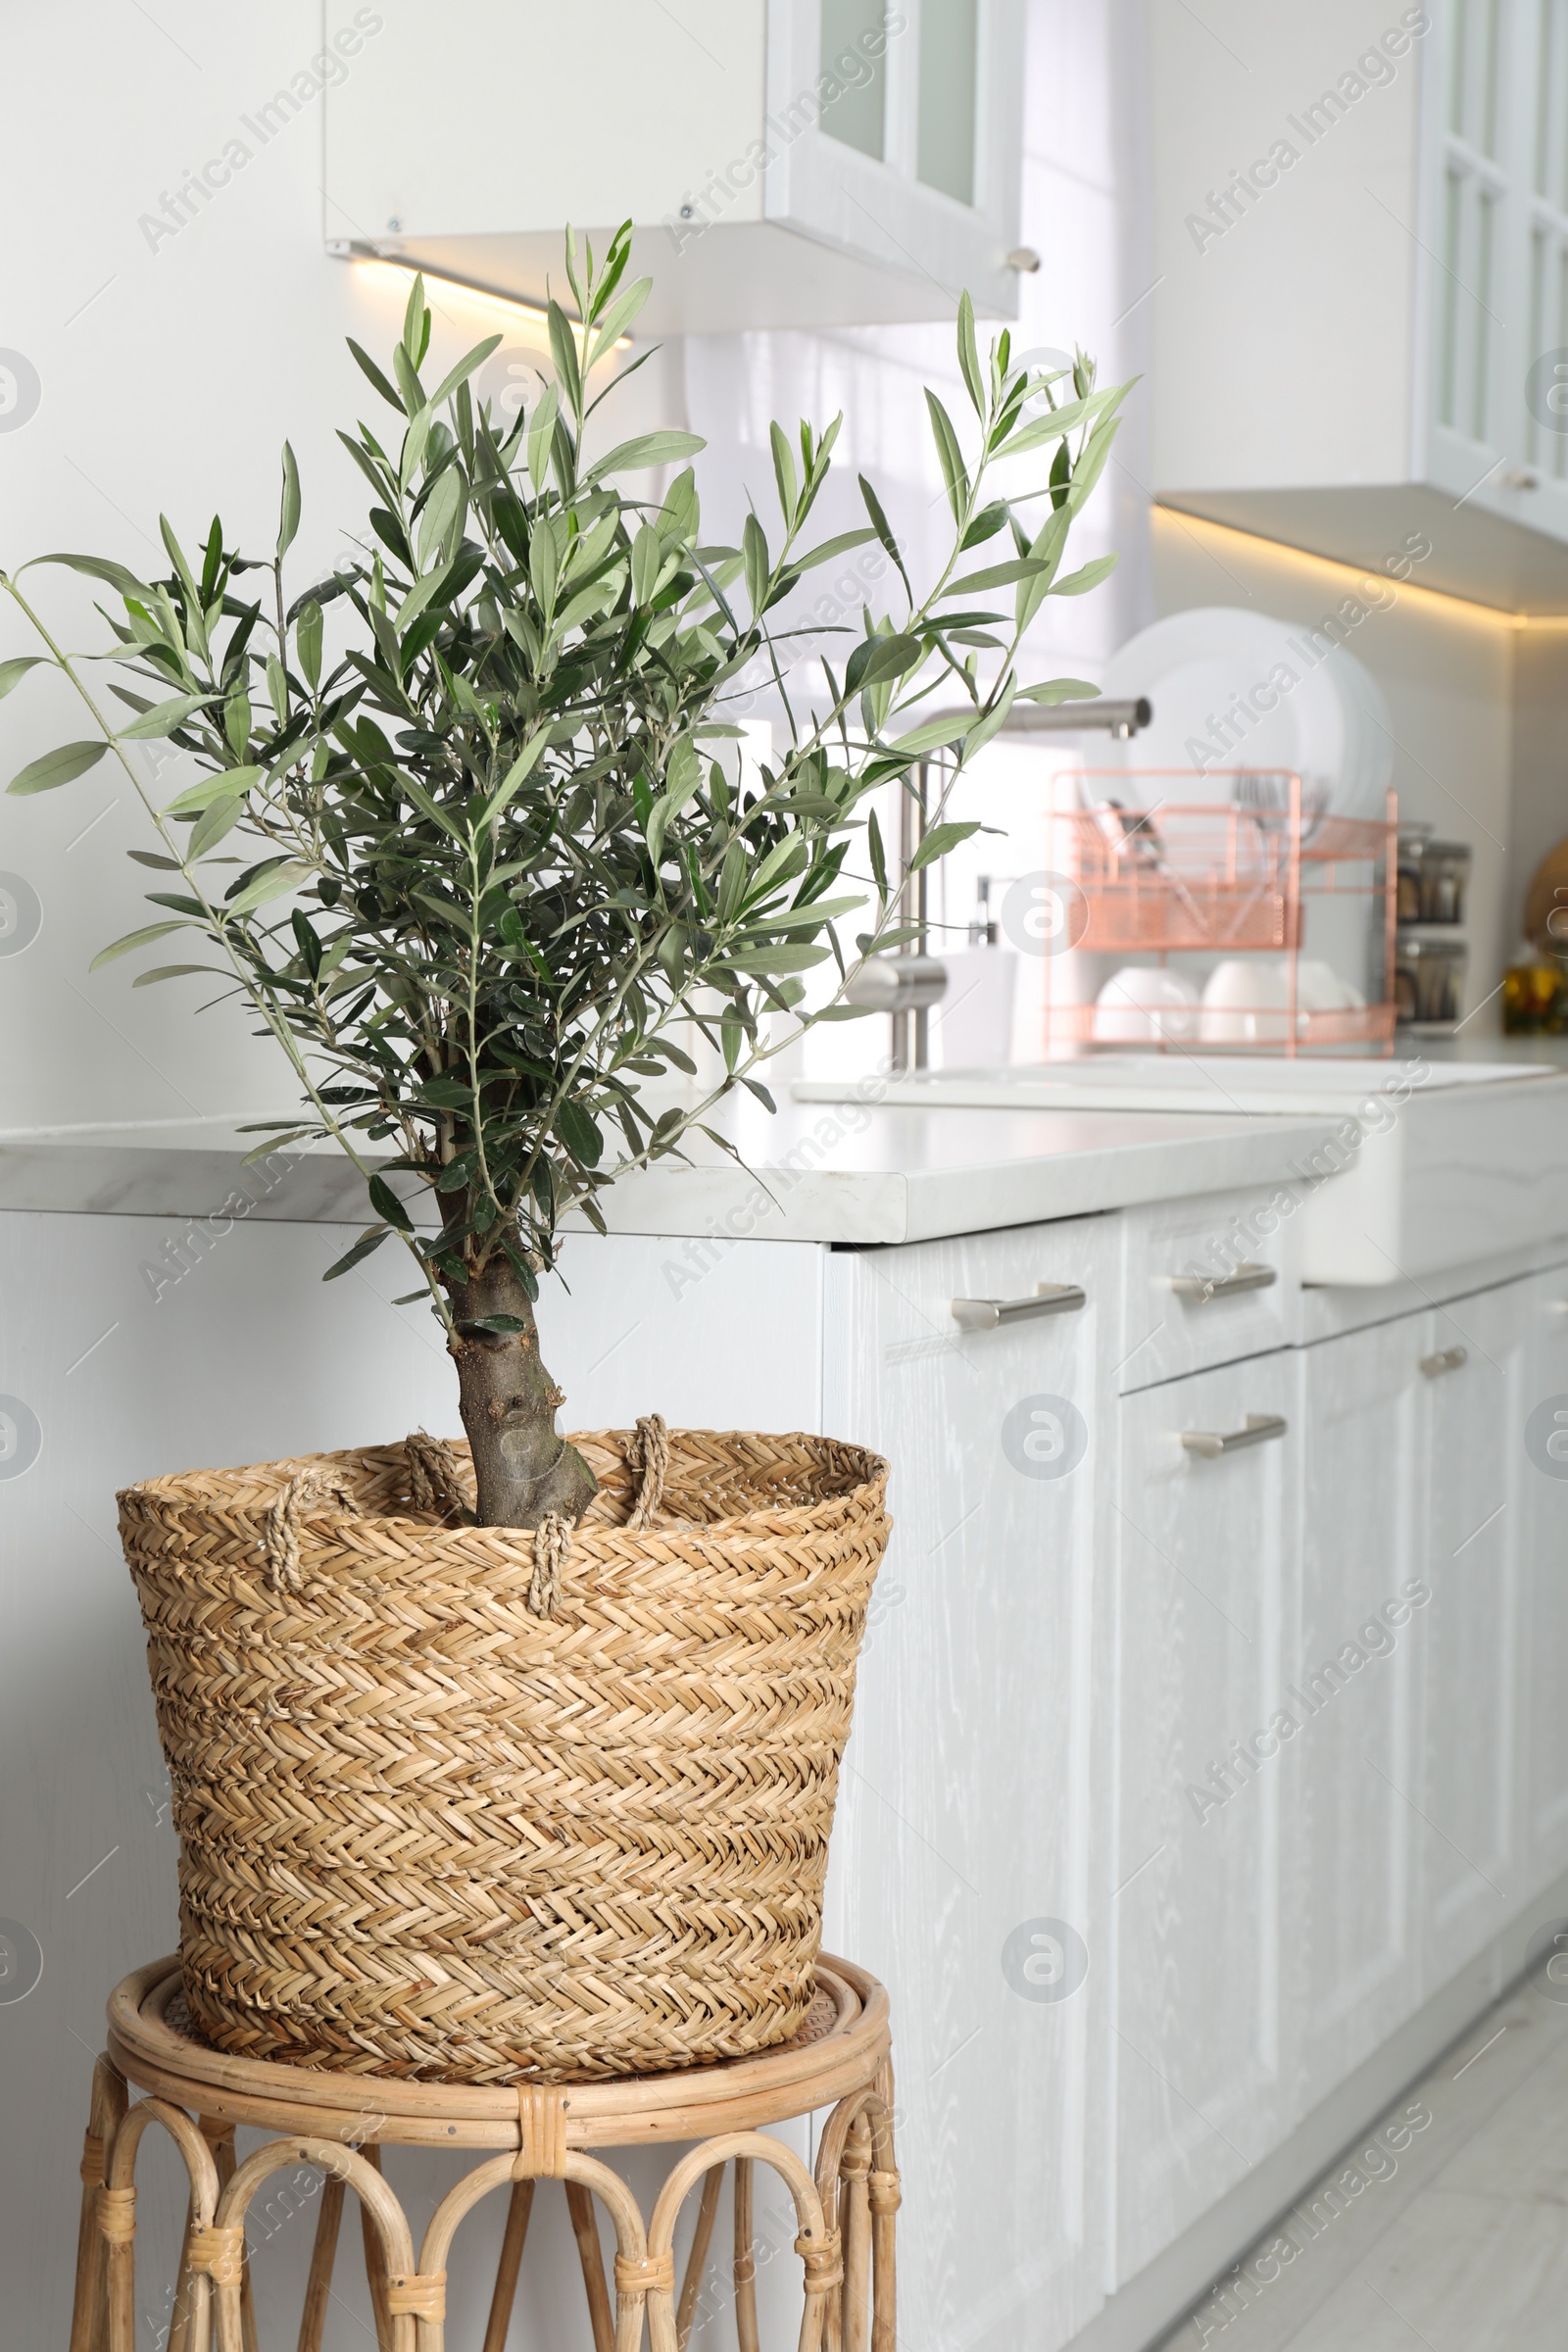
{"x": 950, "y": 59}
{"x": 941, "y": 40}
{"x": 896, "y": 131}
{"x": 852, "y": 57}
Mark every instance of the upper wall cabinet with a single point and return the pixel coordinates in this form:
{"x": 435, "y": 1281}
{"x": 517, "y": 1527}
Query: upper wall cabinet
{"x": 1362, "y": 307}
{"x": 789, "y": 163}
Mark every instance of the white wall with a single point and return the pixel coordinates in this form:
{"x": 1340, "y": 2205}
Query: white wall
{"x": 171, "y": 366}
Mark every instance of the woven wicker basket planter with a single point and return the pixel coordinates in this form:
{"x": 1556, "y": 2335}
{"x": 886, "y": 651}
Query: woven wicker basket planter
{"x": 426, "y": 1831}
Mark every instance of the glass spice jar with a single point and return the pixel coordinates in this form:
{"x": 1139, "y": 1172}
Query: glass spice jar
{"x": 1444, "y": 881}
{"x": 1407, "y": 892}
{"x": 1429, "y": 981}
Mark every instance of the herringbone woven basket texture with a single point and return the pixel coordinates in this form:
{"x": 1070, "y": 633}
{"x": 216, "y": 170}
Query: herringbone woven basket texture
{"x": 426, "y": 1833}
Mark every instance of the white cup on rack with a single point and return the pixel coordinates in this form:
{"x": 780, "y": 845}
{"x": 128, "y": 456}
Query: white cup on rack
{"x": 1246, "y": 1002}
{"x": 1146, "y": 1004}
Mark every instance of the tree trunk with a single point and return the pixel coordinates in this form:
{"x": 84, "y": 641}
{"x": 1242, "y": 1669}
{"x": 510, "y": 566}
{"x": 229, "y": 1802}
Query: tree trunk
{"x": 509, "y": 1402}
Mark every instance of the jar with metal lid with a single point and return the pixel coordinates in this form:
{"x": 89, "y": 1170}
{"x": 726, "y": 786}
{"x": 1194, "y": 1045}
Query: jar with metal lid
{"x": 1407, "y": 901}
{"x": 1429, "y": 981}
{"x": 1444, "y": 881}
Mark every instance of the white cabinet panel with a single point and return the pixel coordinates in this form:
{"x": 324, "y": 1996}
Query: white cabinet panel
{"x": 1427, "y": 141}
{"x": 1470, "y": 1470}
{"x": 1205, "y": 1592}
{"x": 963, "y": 1860}
{"x": 1355, "y": 1826}
{"x": 1538, "y": 1450}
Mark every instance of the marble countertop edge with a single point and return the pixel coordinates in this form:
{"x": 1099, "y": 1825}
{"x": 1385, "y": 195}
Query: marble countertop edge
{"x": 889, "y": 1177}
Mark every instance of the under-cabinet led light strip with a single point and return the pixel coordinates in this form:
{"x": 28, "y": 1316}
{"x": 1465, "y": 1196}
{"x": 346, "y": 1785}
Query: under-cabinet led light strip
{"x": 1185, "y": 520}
{"x": 368, "y": 255}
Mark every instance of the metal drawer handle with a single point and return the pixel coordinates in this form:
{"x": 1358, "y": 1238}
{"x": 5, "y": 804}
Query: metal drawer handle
{"x": 1248, "y": 1276}
{"x": 1046, "y": 1298}
{"x": 1447, "y": 1359}
{"x": 1256, "y": 1430}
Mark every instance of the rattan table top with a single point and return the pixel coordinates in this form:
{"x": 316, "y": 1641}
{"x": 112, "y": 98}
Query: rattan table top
{"x": 839, "y": 2049}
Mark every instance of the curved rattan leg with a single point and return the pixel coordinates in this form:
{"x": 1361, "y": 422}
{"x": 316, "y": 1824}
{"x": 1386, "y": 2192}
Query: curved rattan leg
{"x": 323, "y": 2254}
{"x": 746, "y": 2335}
{"x": 89, "y": 2312}
{"x": 885, "y": 2197}
{"x": 220, "y": 2137}
{"x": 403, "y": 2295}
{"x": 374, "y": 2262}
{"x": 585, "y": 2229}
{"x": 870, "y": 2196}
{"x": 691, "y": 2285}
{"x": 180, "y": 2317}
{"x": 224, "y": 2152}
{"x": 584, "y": 2177}
{"x": 116, "y": 2218}
{"x": 515, "y": 2238}
{"x": 817, "y": 2245}
{"x": 855, "y": 2223}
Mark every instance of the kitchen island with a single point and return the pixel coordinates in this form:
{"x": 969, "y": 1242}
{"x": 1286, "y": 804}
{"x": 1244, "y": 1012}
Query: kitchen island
{"x": 1153, "y": 1955}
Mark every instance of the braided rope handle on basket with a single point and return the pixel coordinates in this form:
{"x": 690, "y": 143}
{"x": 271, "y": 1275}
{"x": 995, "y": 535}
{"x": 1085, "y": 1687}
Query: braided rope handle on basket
{"x": 280, "y": 1531}
{"x": 435, "y": 1477}
{"x": 648, "y": 1453}
{"x": 552, "y": 1550}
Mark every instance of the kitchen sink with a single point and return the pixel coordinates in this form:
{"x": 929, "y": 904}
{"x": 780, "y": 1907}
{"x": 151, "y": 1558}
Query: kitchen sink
{"x": 1234, "y": 1084}
{"x": 1427, "y": 1160}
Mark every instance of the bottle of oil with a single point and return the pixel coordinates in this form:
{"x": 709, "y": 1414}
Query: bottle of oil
{"x": 1535, "y": 995}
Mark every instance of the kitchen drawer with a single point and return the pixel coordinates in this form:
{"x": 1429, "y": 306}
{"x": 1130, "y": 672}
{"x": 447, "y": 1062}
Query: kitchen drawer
{"x": 1329, "y": 1311}
{"x": 1204, "y": 1284}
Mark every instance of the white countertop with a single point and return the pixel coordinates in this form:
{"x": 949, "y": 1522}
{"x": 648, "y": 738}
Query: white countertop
{"x": 816, "y": 1172}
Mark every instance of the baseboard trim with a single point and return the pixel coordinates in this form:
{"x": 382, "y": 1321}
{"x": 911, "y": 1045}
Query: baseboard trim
{"x": 1143, "y": 2311}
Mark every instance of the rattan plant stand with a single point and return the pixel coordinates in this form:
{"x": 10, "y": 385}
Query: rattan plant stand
{"x": 338, "y": 2124}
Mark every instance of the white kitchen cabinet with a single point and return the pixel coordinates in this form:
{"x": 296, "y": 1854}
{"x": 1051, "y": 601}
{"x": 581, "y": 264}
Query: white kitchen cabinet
{"x": 1388, "y": 402}
{"x": 1471, "y": 1470}
{"x": 964, "y": 1860}
{"x": 1415, "y": 1468}
{"x": 1353, "y": 1824}
{"x": 1537, "y": 1467}
{"x": 1205, "y": 1598}
{"x": 1342, "y": 1771}
{"x": 787, "y": 163}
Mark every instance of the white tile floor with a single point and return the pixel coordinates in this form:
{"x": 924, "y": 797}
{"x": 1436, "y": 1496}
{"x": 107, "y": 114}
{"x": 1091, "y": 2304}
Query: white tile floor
{"x": 1447, "y": 2225}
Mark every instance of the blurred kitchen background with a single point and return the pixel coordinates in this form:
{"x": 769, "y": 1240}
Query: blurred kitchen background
{"x": 1383, "y": 461}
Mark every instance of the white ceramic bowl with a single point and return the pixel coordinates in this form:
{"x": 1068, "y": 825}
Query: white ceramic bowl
{"x": 1246, "y": 1003}
{"x": 1144, "y": 1004}
{"x": 1319, "y": 988}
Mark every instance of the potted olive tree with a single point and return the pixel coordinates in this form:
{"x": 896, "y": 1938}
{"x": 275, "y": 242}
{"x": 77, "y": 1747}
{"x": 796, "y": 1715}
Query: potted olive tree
{"x": 475, "y": 873}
